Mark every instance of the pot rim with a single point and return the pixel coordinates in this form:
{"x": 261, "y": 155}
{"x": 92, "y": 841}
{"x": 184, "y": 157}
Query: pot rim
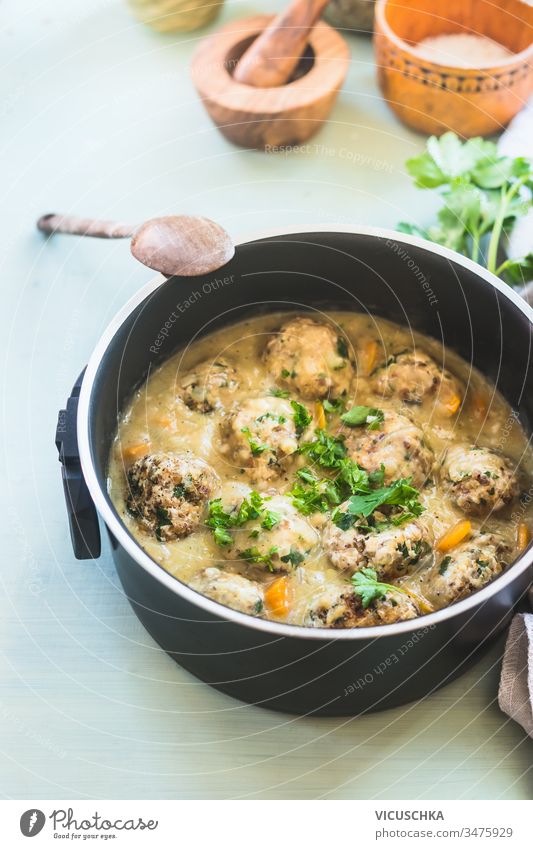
{"x": 278, "y": 629}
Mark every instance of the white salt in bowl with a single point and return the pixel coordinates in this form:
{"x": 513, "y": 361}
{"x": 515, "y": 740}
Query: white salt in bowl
{"x": 461, "y": 65}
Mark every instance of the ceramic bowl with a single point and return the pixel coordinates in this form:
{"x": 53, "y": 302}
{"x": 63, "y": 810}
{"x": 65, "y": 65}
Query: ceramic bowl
{"x": 434, "y": 98}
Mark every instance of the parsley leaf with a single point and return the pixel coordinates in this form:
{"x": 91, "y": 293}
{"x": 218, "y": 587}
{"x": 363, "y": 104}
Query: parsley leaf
{"x": 399, "y": 493}
{"x": 325, "y": 450}
{"x": 302, "y": 417}
{"x": 222, "y": 536}
{"x": 278, "y": 393}
{"x": 444, "y": 563}
{"x": 360, "y": 415}
{"x": 342, "y": 348}
{"x": 220, "y": 521}
{"x": 366, "y": 584}
{"x": 249, "y": 508}
{"x": 254, "y": 555}
{"x": 256, "y": 447}
{"x": 294, "y": 557}
{"x": 311, "y": 494}
{"x": 270, "y": 519}
{"x": 336, "y": 405}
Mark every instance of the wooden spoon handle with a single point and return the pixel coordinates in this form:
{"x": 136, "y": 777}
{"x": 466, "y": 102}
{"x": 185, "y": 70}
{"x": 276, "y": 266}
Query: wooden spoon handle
{"x": 53, "y": 223}
{"x": 274, "y": 55}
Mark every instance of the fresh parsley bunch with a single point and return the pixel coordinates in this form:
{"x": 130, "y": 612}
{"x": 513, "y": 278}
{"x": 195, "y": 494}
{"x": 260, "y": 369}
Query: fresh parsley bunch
{"x": 483, "y": 193}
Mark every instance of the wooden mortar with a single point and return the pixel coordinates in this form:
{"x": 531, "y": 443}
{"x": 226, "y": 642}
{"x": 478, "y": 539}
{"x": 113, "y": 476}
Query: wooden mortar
{"x": 273, "y": 116}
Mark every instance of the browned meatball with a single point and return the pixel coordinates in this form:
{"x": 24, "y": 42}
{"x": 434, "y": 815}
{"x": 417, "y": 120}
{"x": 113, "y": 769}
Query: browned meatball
{"x": 391, "y": 552}
{"x": 168, "y": 493}
{"x": 395, "y": 443}
{"x": 414, "y": 376}
{"x": 279, "y": 544}
{"x": 466, "y": 568}
{"x": 478, "y": 480}
{"x": 209, "y": 386}
{"x": 261, "y": 437}
{"x": 310, "y": 359}
{"x": 232, "y": 590}
{"x": 340, "y": 607}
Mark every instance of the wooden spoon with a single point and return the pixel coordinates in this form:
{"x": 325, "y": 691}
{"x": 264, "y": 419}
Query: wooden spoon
{"x": 184, "y": 245}
{"x": 274, "y": 55}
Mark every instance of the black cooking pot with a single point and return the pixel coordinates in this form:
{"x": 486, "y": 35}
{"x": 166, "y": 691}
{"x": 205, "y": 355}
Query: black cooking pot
{"x": 285, "y": 667}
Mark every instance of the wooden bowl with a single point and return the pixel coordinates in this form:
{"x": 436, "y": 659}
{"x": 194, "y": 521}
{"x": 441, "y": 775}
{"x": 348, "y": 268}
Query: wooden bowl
{"x": 434, "y": 98}
{"x": 269, "y": 117}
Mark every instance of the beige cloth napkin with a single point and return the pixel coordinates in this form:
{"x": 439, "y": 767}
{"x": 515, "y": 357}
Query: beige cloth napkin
{"x": 515, "y": 695}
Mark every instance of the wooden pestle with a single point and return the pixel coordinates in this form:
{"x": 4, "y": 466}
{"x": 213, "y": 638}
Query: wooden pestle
{"x": 274, "y": 55}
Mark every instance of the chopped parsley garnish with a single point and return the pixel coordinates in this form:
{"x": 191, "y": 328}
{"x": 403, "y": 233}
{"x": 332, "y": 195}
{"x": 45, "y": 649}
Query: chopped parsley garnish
{"x": 481, "y": 566}
{"x": 342, "y": 348}
{"x": 365, "y": 491}
{"x": 254, "y": 555}
{"x": 222, "y": 536}
{"x": 399, "y": 494}
{"x": 366, "y": 584}
{"x": 179, "y": 491}
{"x": 311, "y": 494}
{"x": 250, "y": 508}
{"x": 369, "y": 416}
{"x": 337, "y": 405}
{"x": 286, "y": 373}
{"x": 302, "y": 417}
{"x": 444, "y": 563}
{"x": 294, "y": 557}
{"x": 163, "y": 519}
{"x": 278, "y": 393}
{"x": 258, "y": 606}
{"x": 270, "y": 519}
{"x": 256, "y": 447}
{"x": 325, "y": 450}
{"x": 221, "y": 522}
{"x": 275, "y": 418}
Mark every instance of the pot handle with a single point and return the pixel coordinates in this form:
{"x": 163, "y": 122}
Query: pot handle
{"x": 82, "y": 515}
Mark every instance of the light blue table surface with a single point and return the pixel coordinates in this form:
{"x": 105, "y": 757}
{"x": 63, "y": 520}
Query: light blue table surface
{"x": 98, "y": 117}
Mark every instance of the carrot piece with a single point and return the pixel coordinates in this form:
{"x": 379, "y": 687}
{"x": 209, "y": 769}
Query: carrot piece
{"x": 278, "y": 597}
{"x": 320, "y": 415}
{"x": 452, "y": 404}
{"x": 522, "y": 536}
{"x": 454, "y": 535}
{"x": 369, "y": 356}
{"x": 139, "y": 449}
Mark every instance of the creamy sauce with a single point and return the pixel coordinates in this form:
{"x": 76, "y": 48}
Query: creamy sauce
{"x": 158, "y": 417}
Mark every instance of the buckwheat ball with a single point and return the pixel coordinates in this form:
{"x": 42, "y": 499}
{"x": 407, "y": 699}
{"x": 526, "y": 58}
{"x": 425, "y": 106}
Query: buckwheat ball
{"x": 168, "y": 493}
{"x": 261, "y": 437}
{"x": 310, "y": 359}
{"x": 478, "y": 480}
{"x": 395, "y": 443}
{"x": 467, "y": 568}
{"x": 392, "y": 552}
{"x": 278, "y": 540}
{"x": 209, "y": 386}
{"x": 230, "y": 589}
{"x": 340, "y": 607}
{"x": 414, "y": 377}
